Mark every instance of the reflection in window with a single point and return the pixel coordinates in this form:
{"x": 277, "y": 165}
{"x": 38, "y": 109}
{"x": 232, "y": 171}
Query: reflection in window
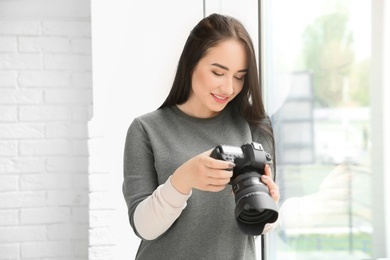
{"x": 317, "y": 79}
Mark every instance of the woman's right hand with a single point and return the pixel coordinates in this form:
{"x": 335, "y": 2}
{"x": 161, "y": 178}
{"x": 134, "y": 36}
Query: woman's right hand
{"x": 203, "y": 173}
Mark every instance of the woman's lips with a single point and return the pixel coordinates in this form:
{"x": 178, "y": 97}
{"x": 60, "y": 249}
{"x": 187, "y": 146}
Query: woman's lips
{"x": 219, "y": 99}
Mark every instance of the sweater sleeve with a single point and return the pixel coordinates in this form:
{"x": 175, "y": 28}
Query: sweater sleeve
{"x": 154, "y": 215}
{"x": 152, "y": 207}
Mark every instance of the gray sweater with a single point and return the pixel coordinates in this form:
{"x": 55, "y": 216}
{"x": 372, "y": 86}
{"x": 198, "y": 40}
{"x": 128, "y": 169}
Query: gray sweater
{"x": 157, "y": 144}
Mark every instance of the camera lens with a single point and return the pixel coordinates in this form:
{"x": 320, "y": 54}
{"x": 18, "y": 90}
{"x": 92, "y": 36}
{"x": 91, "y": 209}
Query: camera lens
{"x": 253, "y": 216}
{"x": 254, "y": 207}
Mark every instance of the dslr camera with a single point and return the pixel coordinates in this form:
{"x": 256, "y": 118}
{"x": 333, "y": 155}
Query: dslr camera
{"x": 254, "y": 205}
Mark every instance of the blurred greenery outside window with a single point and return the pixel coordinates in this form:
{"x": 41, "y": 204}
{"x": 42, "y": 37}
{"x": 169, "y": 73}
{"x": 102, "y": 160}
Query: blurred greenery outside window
{"x": 317, "y": 76}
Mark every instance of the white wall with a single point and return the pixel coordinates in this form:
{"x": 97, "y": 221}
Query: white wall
{"x": 380, "y": 80}
{"x": 45, "y": 97}
{"x": 379, "y": 96}
{"x": 386, "y": 141}
{"x": 136, "y": 49}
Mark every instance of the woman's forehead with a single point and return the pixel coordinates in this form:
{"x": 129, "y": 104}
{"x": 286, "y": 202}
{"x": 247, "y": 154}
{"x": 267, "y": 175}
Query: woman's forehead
{"x": 229, "y": 53}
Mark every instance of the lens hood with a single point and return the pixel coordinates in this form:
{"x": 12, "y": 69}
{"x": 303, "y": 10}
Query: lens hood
{"x": 253, "y": 211}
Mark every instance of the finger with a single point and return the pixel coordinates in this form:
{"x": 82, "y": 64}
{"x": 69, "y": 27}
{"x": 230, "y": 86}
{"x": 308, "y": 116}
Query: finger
{"x": 267, "y": 170}
{"x": 275, "y": 195}
{"x": 272, "y": 187}
{"x": 219, "y": 164}
{"x": 267, "y": 180}
{"x": 218, "y": 181}
{"x": 220, "y": 174}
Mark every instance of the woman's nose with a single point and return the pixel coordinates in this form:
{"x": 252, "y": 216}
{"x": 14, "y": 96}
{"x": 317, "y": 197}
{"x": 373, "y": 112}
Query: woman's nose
{"x": 227, "y": 87}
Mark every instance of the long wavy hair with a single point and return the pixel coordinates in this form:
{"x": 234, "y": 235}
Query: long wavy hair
{"x": 209, "y": 32}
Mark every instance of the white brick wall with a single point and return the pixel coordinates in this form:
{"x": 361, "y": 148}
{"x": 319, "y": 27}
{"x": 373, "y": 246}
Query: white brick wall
{"x": 45, "y": 106}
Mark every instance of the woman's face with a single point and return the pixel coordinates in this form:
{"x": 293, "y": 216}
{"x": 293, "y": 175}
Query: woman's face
{"x": 217, "y": 79}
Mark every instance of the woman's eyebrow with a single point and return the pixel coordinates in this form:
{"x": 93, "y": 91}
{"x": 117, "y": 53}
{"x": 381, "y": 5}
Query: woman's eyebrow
{"x": 226, "y": 68}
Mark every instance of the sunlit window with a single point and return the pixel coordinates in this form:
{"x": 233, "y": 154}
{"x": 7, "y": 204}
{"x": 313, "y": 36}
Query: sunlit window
{"x": 318, "y": 83}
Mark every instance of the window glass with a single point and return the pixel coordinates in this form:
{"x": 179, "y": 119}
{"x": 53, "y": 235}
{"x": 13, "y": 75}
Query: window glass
{"x": 317, "y": 78}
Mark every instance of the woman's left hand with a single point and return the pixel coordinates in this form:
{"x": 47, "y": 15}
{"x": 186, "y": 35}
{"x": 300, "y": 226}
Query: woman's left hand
{"x": 267, "y": 179}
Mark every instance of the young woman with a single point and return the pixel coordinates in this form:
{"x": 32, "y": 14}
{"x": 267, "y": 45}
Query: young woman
{"x": 178, "y": 197}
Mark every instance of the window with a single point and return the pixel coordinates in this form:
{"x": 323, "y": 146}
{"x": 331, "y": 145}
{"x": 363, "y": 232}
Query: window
{"x": 317, "y": 63}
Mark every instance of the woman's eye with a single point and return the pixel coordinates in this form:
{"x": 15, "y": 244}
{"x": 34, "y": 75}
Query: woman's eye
{"x": 240, "y": 77}
{"x": 217, "y": 74}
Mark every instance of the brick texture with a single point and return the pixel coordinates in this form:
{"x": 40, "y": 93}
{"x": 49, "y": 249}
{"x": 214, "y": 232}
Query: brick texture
{"x": 45, "y": 106}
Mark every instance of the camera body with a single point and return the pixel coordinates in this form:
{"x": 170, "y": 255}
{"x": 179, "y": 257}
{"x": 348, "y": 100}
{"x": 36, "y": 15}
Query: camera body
{"x": 248, "y": 157}
{"x": 254, "y": 206}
